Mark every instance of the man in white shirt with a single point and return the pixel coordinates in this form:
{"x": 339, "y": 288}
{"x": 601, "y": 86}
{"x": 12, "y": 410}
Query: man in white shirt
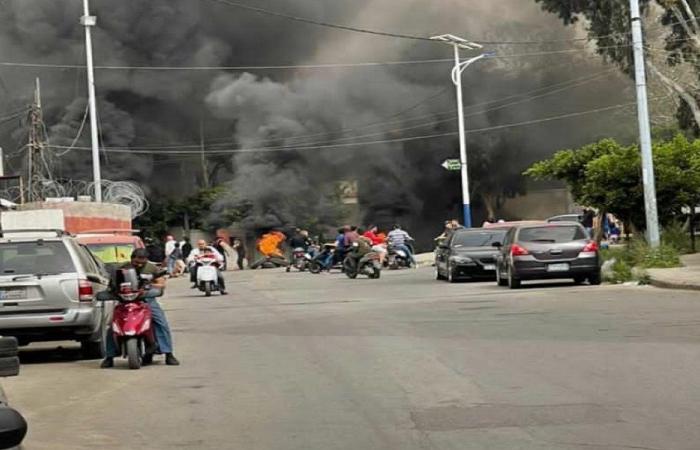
{"x": 201, "y": 249}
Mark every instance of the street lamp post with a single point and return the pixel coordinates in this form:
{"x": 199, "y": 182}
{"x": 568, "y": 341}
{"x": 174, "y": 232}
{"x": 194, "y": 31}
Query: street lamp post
{"x": 89, "y": 21}
{"x": 460, "y": 66}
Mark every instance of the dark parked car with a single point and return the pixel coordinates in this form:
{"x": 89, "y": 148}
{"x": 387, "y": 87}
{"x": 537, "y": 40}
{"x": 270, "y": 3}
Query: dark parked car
{"x": 468, "y": 254}
{"x": 547, "y": 251}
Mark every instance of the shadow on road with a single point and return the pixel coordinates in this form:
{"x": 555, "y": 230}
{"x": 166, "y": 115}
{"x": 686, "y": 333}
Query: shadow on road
{"x": 49, "y": 354}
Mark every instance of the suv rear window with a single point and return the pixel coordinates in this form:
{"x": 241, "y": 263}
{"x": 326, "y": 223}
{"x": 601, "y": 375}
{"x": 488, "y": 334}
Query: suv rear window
{"x": 112, "y": 253}
{"x": 552, "y": 234}
{"x": 26, "y": 258}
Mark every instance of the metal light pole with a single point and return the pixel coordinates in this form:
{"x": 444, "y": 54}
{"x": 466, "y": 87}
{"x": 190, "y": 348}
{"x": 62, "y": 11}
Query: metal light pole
{"x": 458, "y": 43}
{"x": 644, "y": 131}
{"x": 89, "y": 21}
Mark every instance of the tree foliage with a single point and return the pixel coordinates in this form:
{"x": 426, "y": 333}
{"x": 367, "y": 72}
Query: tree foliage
{"x": 672, "y": 39}
{"x": 607, "y": 176}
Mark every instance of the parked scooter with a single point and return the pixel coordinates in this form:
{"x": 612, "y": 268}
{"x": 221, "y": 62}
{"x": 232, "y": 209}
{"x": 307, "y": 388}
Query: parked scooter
{"x": 367, "y": 265}
{"x": 208, "y": 274}
{"x": 131, "y": 319}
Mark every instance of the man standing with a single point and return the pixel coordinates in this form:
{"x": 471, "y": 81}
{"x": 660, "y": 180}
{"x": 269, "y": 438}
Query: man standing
{"x": 139, "y": 261}
{"x": 239, "y": 247}
{"x": 398, "y": 239}
{"x": 186, "y": 247}
{"x": 587, "y": 221}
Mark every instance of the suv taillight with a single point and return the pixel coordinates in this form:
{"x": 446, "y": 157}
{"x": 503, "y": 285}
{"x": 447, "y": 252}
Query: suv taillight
{"x": 516, "y": 250}
{"x": 85, "y": 293}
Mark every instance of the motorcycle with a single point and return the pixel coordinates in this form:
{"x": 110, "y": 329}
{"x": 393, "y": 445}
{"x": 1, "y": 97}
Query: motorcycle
{"x": 367, "y": 265}
{"x": 323, "y": 259}
{"x": 207, "y": 274}
{"x": 301, "y": 259}
{"x": 397, "y": 258}
{"x": 132, "y": 320}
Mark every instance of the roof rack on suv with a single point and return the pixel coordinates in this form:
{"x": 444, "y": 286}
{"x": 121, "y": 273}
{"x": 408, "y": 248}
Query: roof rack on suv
{"x": 58, "y": 231}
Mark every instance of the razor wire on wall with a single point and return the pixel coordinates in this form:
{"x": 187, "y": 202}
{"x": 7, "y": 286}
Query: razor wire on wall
{"x": 125, "y": 193}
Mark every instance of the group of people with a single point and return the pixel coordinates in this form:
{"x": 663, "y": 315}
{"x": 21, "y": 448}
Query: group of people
{"x": 176, "y": 255}
{"x": 372, "y": 239}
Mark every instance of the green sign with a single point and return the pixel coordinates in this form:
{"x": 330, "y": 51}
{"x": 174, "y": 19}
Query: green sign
{"x": 452, "y": 164}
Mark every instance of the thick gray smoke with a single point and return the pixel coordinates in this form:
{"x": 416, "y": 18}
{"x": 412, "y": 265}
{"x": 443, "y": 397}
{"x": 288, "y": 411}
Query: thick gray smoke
{"x": 304, "y": 107}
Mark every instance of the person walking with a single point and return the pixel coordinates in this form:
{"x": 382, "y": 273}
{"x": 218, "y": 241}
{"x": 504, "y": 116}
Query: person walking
{"x": 173, "y": 258}
{"x": 587, "y": 221}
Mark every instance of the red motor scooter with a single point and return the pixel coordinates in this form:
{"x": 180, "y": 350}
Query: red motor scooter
{"x": 131, "y": 319}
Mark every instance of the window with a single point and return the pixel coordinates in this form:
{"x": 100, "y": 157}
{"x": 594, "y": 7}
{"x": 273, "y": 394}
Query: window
{"x": 112, "y": 253}
{"x": 40, "y": 257}
{"x": 552, "y": 234}
{"x": 477, "y": 238}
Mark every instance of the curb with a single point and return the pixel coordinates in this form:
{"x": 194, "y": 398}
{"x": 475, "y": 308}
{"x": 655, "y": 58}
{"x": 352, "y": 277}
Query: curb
{"x": 664, "y": 284}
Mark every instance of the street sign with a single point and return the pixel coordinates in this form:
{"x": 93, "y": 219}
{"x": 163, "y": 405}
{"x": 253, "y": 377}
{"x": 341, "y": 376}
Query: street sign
{"x": 452, "y": 164}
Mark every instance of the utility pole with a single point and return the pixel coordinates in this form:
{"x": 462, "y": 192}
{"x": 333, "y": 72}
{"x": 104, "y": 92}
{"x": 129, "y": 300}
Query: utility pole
{"x": 458, "y": 44}
{"x": 36, "y": 164}
{"x": 205, "y": 168}
{"x": 652, "y": 217}
{"x": 89, "y": 21}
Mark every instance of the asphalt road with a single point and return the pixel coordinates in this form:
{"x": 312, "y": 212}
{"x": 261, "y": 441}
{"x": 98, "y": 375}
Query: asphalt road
{"x": 297, "y": 361}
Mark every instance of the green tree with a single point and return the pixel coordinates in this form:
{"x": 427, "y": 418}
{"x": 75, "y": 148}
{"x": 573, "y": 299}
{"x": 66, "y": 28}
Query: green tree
{"x": 607, "y": 176}
{"x": 675, "y": 57}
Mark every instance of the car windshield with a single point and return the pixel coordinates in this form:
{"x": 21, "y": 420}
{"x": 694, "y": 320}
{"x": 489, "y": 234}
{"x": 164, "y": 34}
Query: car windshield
{"x": 478, "y": 238}
{"x": 40, "y": 257}
{"x": 112, "y": 253}
{"x": 552, "y": 234}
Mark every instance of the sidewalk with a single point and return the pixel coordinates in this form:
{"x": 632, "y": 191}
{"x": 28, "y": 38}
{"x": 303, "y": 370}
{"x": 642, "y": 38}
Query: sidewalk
{"x": 425, "y": 259}
{"x": 687, "y": 277}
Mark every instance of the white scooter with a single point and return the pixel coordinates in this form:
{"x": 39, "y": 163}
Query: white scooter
{"x": 207, "y": 274}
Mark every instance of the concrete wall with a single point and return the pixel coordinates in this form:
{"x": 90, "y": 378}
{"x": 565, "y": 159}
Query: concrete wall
{"x": 40, "y": 219}
{"x": 87, "y": 216}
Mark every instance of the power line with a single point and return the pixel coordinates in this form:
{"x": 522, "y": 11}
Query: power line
{"x": 377, "y": 142}
{"x": 77, "y": 136}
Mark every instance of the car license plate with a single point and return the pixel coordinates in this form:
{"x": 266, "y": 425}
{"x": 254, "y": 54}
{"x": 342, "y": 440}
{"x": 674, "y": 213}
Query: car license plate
{"x": 489, "y": 267}
{"x": 13, "y": 294}
{"x": 562, "y": 267}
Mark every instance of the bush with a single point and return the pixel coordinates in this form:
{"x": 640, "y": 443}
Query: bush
{"x": 629, "y": 262}
{"x": 676, "y": 236}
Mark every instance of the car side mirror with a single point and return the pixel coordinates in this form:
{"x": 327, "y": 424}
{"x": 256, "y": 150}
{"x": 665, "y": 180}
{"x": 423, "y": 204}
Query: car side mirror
{"x": 13, "y": 428}
{"x": 497, "y": 244}
{"x": 104, "y": 296}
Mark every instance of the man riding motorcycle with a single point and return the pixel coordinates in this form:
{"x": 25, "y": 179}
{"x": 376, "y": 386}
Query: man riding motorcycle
{"x": 202, "y": 249}
{"x": 301, "y": 240}
{"x": 355, "y": 254}
{"x": 398, "y": 238}
{"x": 139, "y": 261}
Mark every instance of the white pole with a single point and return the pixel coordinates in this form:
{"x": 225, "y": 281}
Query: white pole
{"x": 462, "y": 142}
{"x": 644, "y": 131}
{"x": 2, "y": 166}
{"x": 89, "y": 21}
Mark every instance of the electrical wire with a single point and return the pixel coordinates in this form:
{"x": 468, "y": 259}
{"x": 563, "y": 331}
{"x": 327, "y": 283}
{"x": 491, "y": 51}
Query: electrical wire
{"x": 523, "y": 98}
{"x": 77, "y": 136}
{"x": 377, "y": 142}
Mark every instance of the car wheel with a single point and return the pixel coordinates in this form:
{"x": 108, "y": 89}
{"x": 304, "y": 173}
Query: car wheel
{"x": 595, "y": 279}
{"x": 513, "y": 283}
{"x": 438, "y": 275}
{"x": 579, "y": 280}
{"x": 500, "y": 280}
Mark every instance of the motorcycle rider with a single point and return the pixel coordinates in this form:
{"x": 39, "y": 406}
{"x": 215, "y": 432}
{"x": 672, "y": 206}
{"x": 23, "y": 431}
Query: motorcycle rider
{"x": 300, "y": 239}
{"x": 398, "y": 238}
{"x": 139, "y": 261}
{"x": 203, "y": 248}
{"x": 355, "y": 253}
{"x": 378, "y": 242}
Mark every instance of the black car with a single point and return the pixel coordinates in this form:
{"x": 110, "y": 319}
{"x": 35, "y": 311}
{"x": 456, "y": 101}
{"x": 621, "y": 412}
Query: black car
{"x": 468, "y": 254}
{"x": 547, "y": 251}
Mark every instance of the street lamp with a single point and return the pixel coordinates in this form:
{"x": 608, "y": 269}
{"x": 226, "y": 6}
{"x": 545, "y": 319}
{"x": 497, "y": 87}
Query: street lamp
{"x": 460, "y": 66}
